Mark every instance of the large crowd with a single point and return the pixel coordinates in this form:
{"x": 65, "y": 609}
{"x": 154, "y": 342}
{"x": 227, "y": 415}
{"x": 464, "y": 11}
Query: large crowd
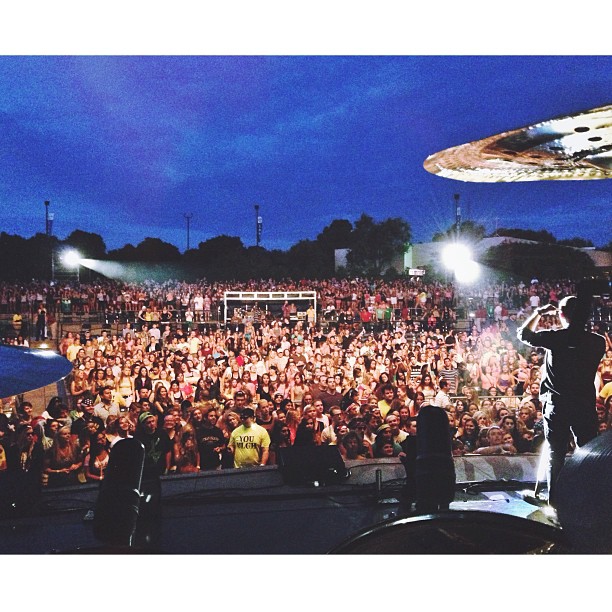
{"x": 212, "y": 397}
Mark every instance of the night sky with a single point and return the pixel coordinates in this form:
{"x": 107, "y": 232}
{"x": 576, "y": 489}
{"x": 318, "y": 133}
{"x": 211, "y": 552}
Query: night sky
{"x": 125, "y": 146}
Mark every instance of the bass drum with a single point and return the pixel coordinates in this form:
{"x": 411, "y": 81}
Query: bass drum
{"x": 584, "y": 496}
{"x": 456, "y": 533}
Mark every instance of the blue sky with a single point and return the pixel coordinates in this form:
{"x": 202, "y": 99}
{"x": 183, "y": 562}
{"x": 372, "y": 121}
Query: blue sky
{"x": 124, "y": 146}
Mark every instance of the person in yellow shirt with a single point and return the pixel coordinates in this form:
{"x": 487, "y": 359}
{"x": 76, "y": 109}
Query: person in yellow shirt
{"x": 249, "y": 442}
{"x": 385, "y": 403}
{"x": 605, "y": 391}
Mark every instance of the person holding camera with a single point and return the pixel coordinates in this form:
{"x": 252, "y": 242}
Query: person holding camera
{"x": 567, "y": 387}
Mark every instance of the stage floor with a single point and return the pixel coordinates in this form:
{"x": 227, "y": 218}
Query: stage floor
{"x": 255, "y": 512}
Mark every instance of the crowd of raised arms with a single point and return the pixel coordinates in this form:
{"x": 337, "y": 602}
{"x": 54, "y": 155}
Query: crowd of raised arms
{"x": 356, "y": 380}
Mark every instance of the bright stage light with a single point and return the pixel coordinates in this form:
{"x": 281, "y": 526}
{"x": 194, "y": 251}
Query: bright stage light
{"x": 467, "y": 272}
{"x": 71, "y": 258}
{"x": 458, "y": 258}
{"x": 454, "y": 255}
{"x": 132, "y": 271}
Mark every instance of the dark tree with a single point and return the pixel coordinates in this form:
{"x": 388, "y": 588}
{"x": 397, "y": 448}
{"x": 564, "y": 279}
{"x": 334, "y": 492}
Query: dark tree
{"x": 308, "y": 259}
{"x": 14, "y": 249}
{"x": 125, "y": 253}
{"x": 220, "y": 258}
{"x": 35, "y": 262}
{"x": 526, "y": 261}
{"x": 375, "y": 245}
{"x": 154, "y": 249}
{"x": 89, "y": 245}
{"x": 257, "y": 262}
{"x": 337, "y": 235}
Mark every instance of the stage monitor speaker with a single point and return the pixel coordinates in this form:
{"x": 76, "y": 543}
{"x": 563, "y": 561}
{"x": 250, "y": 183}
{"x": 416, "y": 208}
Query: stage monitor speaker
{"x": 312, "y": 465}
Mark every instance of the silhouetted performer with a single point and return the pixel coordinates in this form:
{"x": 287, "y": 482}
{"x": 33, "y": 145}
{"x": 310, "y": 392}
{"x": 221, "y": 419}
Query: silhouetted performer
{"x": 567, "y": 387}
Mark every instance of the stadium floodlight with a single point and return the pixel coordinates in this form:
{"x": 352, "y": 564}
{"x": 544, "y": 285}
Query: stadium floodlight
{"x": 467, "y": 272}
{"x": 455, "y": 254}
{"x": 71, "y": 258}
{"x": 458, "y": 258}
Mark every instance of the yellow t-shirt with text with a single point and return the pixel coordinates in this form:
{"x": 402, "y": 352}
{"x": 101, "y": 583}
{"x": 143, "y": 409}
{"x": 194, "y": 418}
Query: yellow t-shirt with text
{"x": 247, "y": 443}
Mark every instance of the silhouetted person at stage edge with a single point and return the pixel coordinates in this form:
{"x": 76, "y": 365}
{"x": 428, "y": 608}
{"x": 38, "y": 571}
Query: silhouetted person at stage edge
{"x": 20, "y": 484}
{"x": 567, "y": 388}
{"x": 158, "y": 451}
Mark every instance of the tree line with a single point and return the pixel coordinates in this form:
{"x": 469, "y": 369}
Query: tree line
{"x": 371, "y": 245}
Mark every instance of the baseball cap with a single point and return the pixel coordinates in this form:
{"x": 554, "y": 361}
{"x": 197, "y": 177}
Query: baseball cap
{"x": 144, "y": 416}
{"x": 247, "y": 412}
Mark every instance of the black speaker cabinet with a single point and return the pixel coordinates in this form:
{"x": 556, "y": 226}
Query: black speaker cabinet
{"x": 312, "y": 465}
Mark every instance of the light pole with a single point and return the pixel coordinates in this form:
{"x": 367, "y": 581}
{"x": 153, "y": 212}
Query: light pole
{"x": 188, "y": 218}
{"x": 258, "y": 225}
{"x": 457, "y": 215}
{"x": 48, "y": 234}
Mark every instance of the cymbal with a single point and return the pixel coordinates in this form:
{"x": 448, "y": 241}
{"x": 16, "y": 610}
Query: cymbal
{"x": 25, "y": 369}
{"x": 572, "y": 147}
